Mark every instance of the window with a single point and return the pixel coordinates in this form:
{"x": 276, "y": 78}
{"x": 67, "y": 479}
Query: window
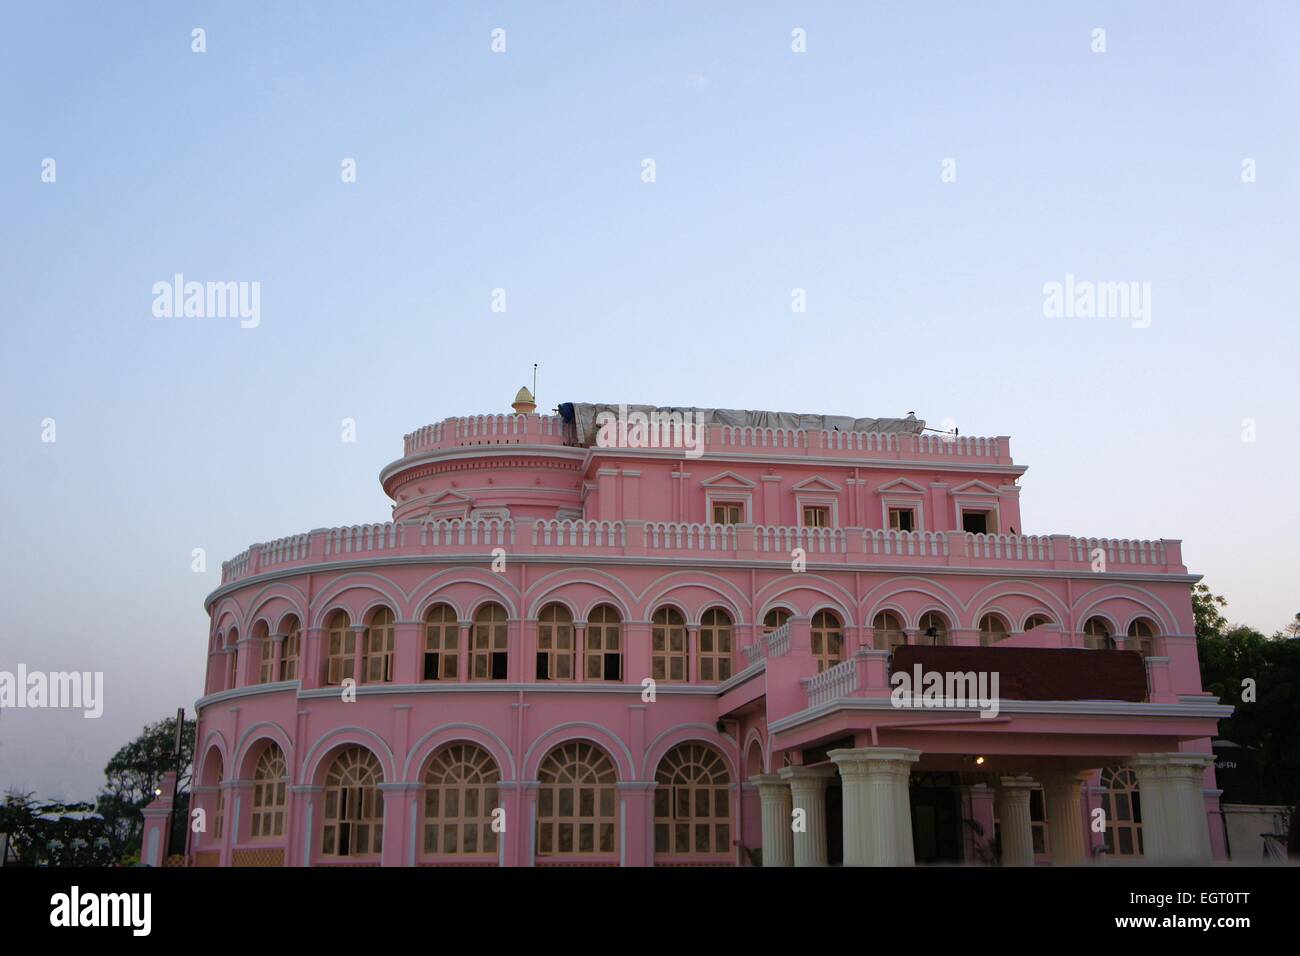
{"x": 934, "y": 628}
{"x": 993, "y": 628}
{"x": 218, "y": 825}
{"x": 342, "y": 650}
{"x": 1038, "y": 821}
{"x": 692, "y": 803}
{"x": 827, "y": 640}
{"x": 488, "y": 658}
{"x": 1141, "y": 637}
{"x": 775, "y": 618}
{"x": 1036, "y": 620}
{"x": 1096, "y": 635}
{"x": 353, "y": 824}
{"x": 377, "y": 662}
{"x": 555, "y": 651}
{"x": 577, "y": 800}
{"x": 816, "y": 516}
{"x": 728, "y": 512}
{"x": 232, "y": 653}
{"x": 269, "y": 786}
{"x": 902, "y": 519}
{"x": 976, "y": 522}
{"x": 1123, "y": 807}
{"x": 290, "y": 648}
{"x": 265, "y": 653}
{"x": 714, "y": 654}
{"x": 888, "y": 631}
{"x": 460, "y": 795}
{"x": 668, "y": 645}
{"x": 604, "y": 645}
{"x": 441, "y": 643}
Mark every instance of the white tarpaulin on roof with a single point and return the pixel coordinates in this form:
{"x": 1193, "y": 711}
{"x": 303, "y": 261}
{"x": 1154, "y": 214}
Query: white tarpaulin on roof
{"x": 584, "y": 416}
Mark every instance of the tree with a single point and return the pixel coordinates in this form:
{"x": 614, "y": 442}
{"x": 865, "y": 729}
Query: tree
{"x": 134, "y": 772}
{"x": 54, "y": 833}
{"x": 1205, "y": 608}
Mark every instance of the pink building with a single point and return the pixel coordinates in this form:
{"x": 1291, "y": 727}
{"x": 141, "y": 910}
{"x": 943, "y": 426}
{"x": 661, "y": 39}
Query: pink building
{"x": 565, "y": 650}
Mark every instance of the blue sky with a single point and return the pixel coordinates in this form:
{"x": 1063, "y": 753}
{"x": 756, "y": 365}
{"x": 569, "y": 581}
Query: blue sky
{"x": 522, "y": 171}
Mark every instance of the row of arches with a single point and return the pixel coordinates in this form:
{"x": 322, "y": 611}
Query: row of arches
{"x": 460, "y": 804}
{"x": 593, "y": 651}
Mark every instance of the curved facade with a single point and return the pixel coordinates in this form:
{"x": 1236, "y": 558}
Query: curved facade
{"x": 557, "y": 653}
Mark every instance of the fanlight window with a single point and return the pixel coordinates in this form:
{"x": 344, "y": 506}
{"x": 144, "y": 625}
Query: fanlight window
{"x": 993, "y": 628}
{"x": 555, "y": 650}
{"x": 888, "y": 630}
{"x": 489, "y": 657}
{"x": 692, "y": 802}
{"x": 715, "y": 646}
{"x": 341, "y": 663}
{"x": 290, "y": 649}
{"x": 1096, "y": 635}
{"x": 668, "y": 645}
{"x": 1141, "y": 637}
{"x": 577, "y": 800}
{"x": 379, "y": 639}
{"x": 441, "y": 643}
{"x": 1123, "y": 812}
{"x": 775, "y": 618}
{"x": 354, "y": 807}
{"x": 827, "y": 640}
{"x": 604, "y": 645}
{"x": 269, "y": 794}
{"x": 933, "y": 628}
{"x": 461, "y": 792}
{"x": 1036, "y": 620}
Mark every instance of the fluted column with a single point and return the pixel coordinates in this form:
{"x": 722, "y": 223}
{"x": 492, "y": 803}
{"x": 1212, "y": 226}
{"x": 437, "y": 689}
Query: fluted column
{"x": 877, "y": 805}
{"x": 778, "y": 838}
{"x": 1174, "y": 825}
{"x": 1014, "y": 822}
{"x": 1065, "y": 827}
{"x": 808, "y": 793}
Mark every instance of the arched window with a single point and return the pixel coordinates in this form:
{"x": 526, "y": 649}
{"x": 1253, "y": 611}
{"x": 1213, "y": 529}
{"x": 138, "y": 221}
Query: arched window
{"x": 1123, "y": 812}
{"x": 888, "y": 630}
{"x": 668, "y": 645}
{"x": 775, "y": 618}
{"x": 577, "y": 800}
{"x": 377, "y": 663}
{"x": 993, "y": 628}
{"x": 441, "y": 643}
{"x": 1141, "y": 637}
{"x": 1036, "y": 620}
{"x": 265, "y": 652}
{"x": 933, "y": 627}
{"x": 692, "y": 803}
{"x": 827, "y": 639}
{"x": 269, "y": 786}
{"x": 354, "y": 808}
{"x": 342, "y": 660}
{"x": 604, "y": 644}
{"x": 219, "y": 824}
{"x": 714, "y": 652}
{"x": 1096, "y": 635}
{"x": 460, "y": 796}
{"x": 290, "y": 648}
{"x": 555, "y": 651}
{"x": 232, "y": 653}
{"x": 489, "y": 657}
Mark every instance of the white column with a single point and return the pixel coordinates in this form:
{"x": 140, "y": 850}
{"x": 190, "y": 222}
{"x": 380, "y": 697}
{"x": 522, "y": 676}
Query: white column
{"x": 778, "y": 839}
{"x": 808, "y": 793}
{"x": 1014, "y": 823}
{"x": 1174, "y": 825}
{"x": 1065, "y": 827}
{"x": 877, "y": 806}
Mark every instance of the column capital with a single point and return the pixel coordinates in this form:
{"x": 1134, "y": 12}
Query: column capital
{"x": 807, "y": 777}
{"x": 864, "y": 760}
{"x": 1063, "y": 779}
{"x": 1170, "y": 766}
{"x": 1017, "y": 783}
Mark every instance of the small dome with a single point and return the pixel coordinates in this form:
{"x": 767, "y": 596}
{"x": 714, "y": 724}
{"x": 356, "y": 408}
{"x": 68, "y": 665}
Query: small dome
{"x": 524, "y": 404}
{"x": 523, "y": 395}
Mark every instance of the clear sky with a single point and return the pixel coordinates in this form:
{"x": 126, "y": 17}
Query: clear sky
{"x": 522, "y": 170}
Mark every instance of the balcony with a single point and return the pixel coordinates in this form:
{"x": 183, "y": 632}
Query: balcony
{"x": 706, "y": 543}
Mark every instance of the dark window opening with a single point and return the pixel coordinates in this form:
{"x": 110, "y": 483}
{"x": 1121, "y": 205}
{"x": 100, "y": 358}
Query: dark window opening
{"x": 975, "y": 522}
{"x": 430, "y": 666}
{"x": 543, "y": 666}
{"x": 498, "y": 665}
{"x": 613, "y": 667}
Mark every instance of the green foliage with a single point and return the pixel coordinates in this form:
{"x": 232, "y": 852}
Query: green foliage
{"x": 134, "y": 773}
{"x": 54, "y": 833}
{"x": 1205, "y": 608}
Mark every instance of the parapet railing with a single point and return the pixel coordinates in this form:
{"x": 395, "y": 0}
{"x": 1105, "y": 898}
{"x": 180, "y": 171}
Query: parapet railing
{"x": 475, "y": 430}
{"x": 709, "y": 542}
